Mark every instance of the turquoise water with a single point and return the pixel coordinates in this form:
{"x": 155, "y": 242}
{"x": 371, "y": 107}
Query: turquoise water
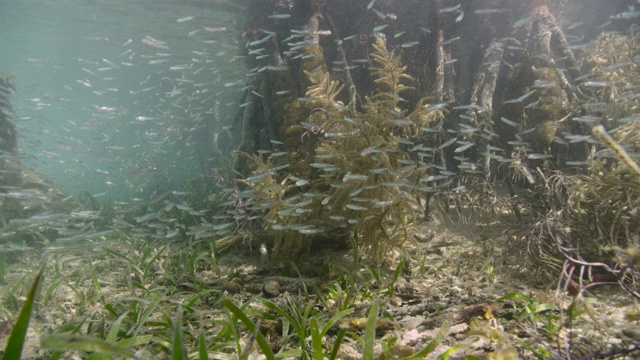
{"x": 123, "y": 97}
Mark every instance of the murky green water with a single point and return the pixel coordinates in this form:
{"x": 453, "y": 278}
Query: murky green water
{"x": 100, "y": 109}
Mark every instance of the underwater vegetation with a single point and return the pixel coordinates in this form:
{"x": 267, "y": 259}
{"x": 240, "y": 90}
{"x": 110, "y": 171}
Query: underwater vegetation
{"x": 372, "y": 166}
{"x": 541, "y": 145}
{"x": 369, "y": 167}
{"x": 367, "y": 164}
{"x": 582, "y": 220}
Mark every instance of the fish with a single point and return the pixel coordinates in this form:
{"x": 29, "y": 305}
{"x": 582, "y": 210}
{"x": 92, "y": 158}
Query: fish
{"x": 431, "y": 178}
{"x": 258, "y": 177}
{"x": 604, "y": 25}
{"x": 436, "y": 107}
{"x": 409, "y": 44}
{"x": 400, "y": 122}
{"x": 185, "y": 19}
{"x": 626, "y": 15}
{"x": 488, "y": 11}
{"x": 521, "y": 98}
{"x": 518, "y": 143}
{"x": 260, "y": 41}
{"x": 279, "y": 16}
{"x": 180, "y": 67}
{"x": 451, "y": 40}
{"x": 84, "y": 236}
{"x": 158, "y": 61}
{"x": 630, "y": 118}
{"x": 394, "y": 184}
{"x": 146, "y": 217}
{"x": 596, "y": 84}
{"x": 310, "y": 231}
{"x": 539, "y": 156}
{"x": 447, "y": 143}
{"x": 184, "y": 207}
{"x": 145, "y": 118}
{"x": 509, "y": 122}
{"x": 97, "y": 38}
{"x": 522, "y": 22}
{"x": 215, "y": 29}
{"x": 578, "y": 138}
{"x": 24, "y": 195}
{"x": 381, "y": 170}
{"x": 378, "y": 204}
{"x": 543, "y": 84}
{"x": 280, "y": 227}
{"x": 465, "y": 146}
{"x": 587, "y": 119}
{"x": 379, "y": 28}
{"x": 466, "y": 129}
{"x": 321, "y": 165}
{"x": 449, "y": 9}
{"x": 85, "y": 83}
{"x": 575, "y": 25}
{"x": 619, "y": 65}
{"x": 379, "y": 14}
{"x": 498, "y": 158}
{"x": 150, "y": 41}
{"x": 354, "y": 177}
{"x": 558, "y": 140}
{"x": 302, "y": 203}
{"x": 355, "y": 207}
{"x": 222, "y": 226}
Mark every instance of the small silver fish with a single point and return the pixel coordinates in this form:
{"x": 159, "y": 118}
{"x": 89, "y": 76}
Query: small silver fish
{"x": 279, "y": 16}
{"x": 185, "y": 19}
{"x": 539, "y": 156}
{"x": 447, "y": 143}
{"x": 354, "y": 177}
{"x": 509, "y": 122}
{"x": 463, "y": 147}
{"x": 449, "y": 9}
{"x": 356, "y": 207}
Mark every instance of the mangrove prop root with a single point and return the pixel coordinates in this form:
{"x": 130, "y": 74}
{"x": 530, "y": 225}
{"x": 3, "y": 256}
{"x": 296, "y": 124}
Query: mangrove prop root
{"x": 601, "y": 134}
